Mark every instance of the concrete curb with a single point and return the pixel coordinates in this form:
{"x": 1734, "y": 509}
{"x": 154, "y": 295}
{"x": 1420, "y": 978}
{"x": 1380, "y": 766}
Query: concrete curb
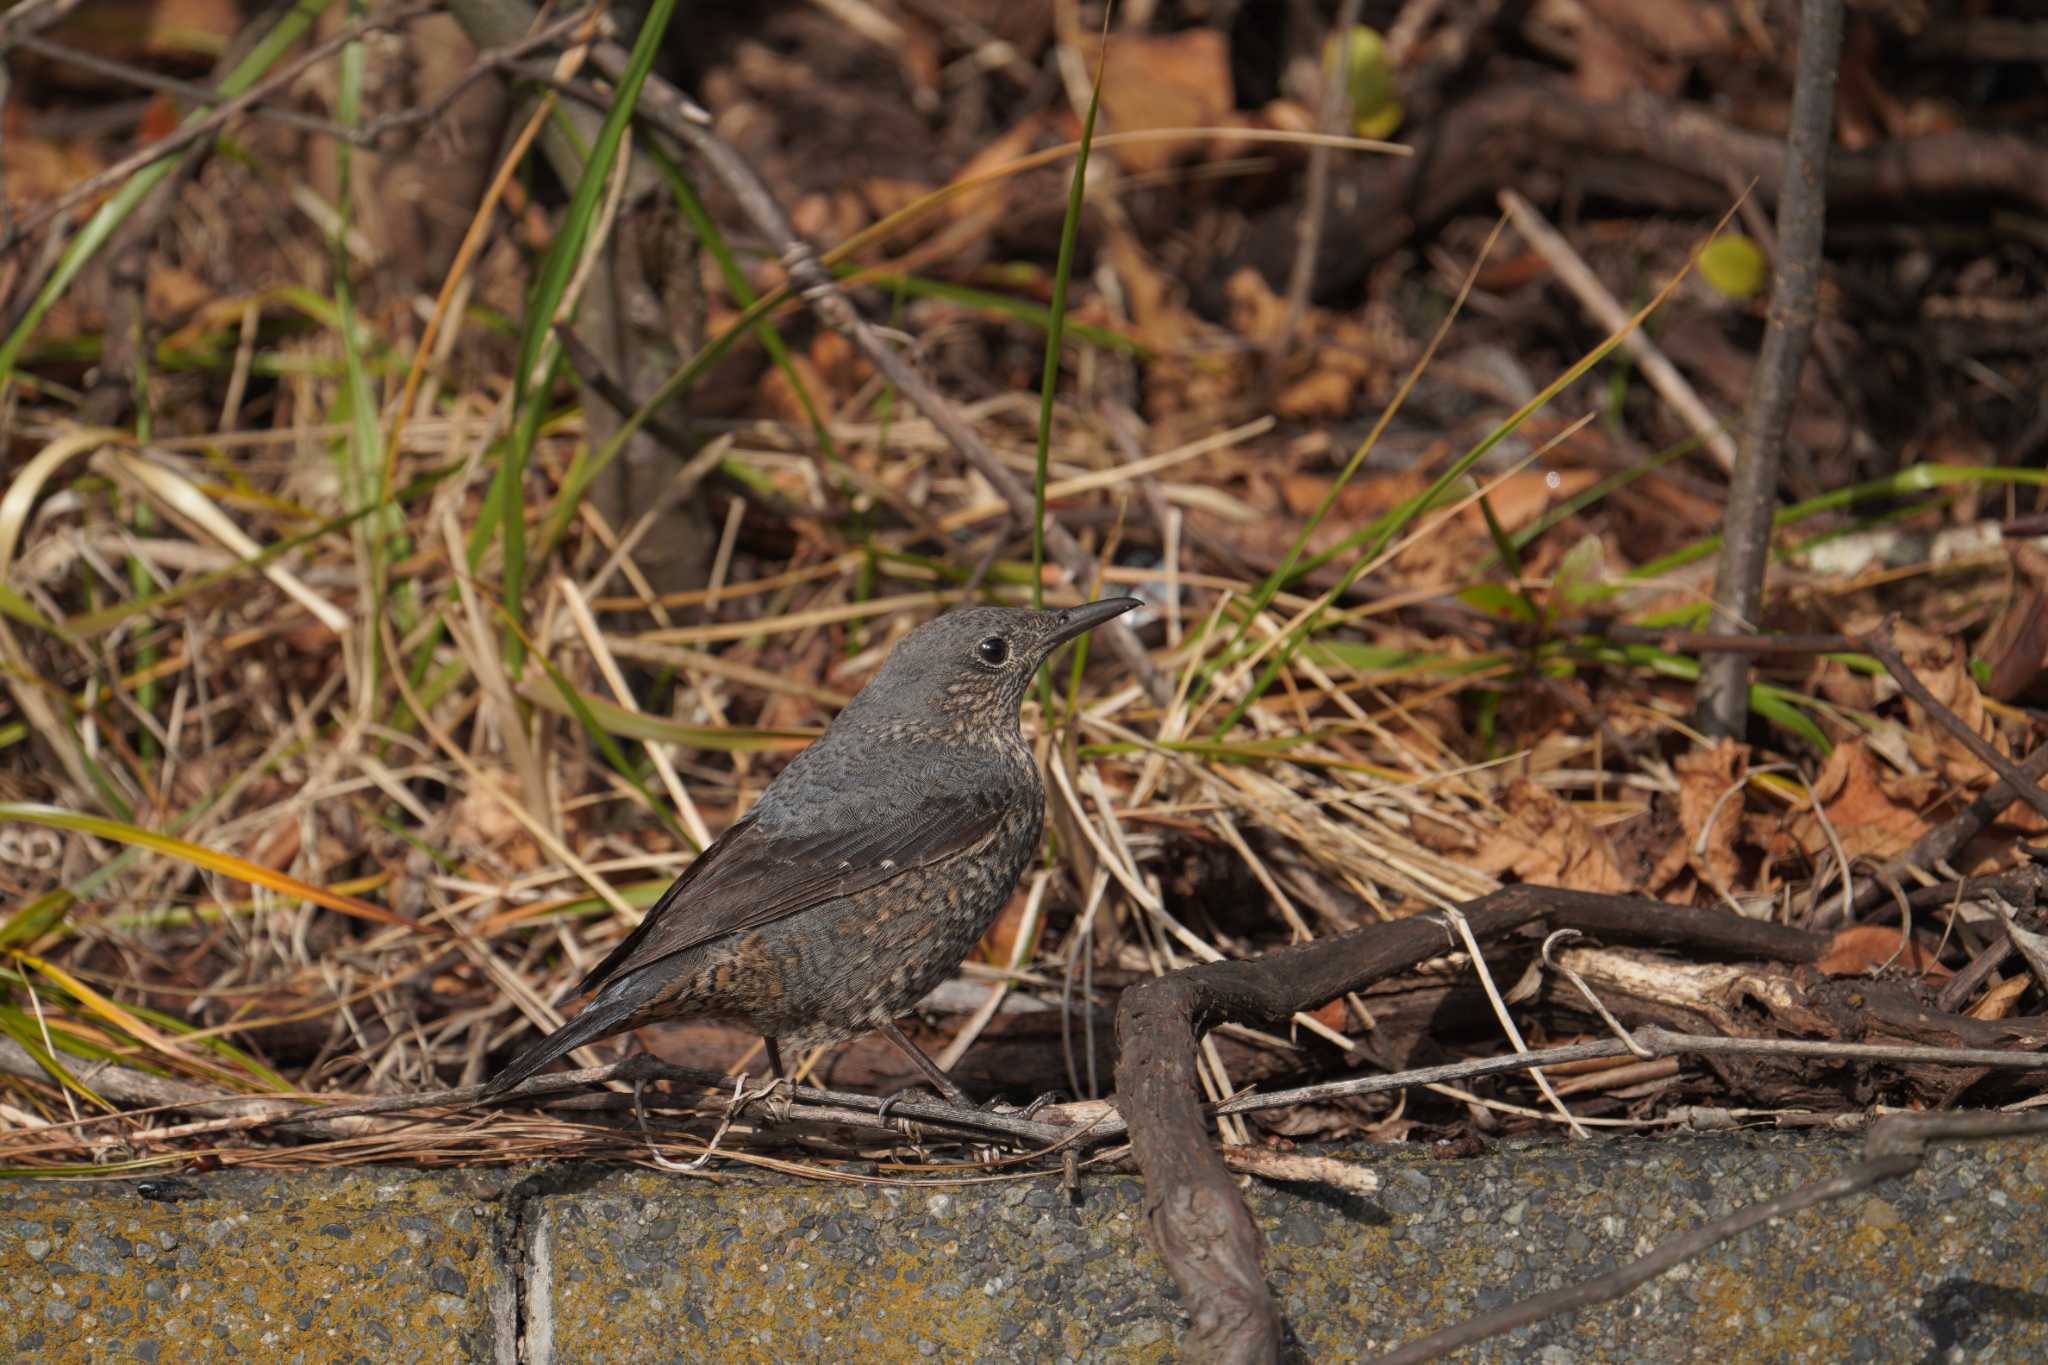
{"x": 583, "y": 1264}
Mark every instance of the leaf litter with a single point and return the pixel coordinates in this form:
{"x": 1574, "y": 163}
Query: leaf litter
{"x": 210, "y": 636}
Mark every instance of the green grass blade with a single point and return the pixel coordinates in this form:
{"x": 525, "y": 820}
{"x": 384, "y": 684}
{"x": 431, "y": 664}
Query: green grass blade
{"x": 24, "y": 1029}
{"x": 606, "y": 745}
{"x": 701, "y": 222}
{"x": 361, "y": 452}
{"x": 1292, "y": 565}
{"x": 536, "y": 341}
{"x": 1916, "y": 479}
{"x": 1002, "y": 305}
{"x": 21, "y": 609}
{"x": 36, "y": 917}
{"x": 1048, "y": 386}
{"x": 617, "y": 720}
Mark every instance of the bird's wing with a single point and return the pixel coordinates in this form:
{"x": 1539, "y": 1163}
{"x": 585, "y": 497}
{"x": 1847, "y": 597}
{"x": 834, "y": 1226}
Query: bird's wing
{"x": 753, "y": 875}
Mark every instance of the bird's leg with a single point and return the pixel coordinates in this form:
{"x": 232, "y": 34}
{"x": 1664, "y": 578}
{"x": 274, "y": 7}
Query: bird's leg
{"x": 777, "y": 1076}
{"x": 944, "y": 1083}
{"x": 939, "y": 1079}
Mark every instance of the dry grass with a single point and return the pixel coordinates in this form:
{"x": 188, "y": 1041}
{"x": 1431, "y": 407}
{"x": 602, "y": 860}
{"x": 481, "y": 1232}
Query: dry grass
{"x": 412, "y": 803}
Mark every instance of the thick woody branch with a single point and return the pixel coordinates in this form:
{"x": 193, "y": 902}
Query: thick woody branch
{"x": 1753, "y": 488}
{"x": 1193, "y": 1211}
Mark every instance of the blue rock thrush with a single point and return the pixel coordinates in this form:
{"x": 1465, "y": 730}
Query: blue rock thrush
{"x": 867, "y": 871}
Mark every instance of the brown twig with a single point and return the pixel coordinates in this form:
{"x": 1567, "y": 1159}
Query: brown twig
{"x": 190, "y": 91}
{"x": 280, "y": 82}
{"x": 1652, "y": 1041}
{"x": 1723, "y": 696}
{"x": 1316, "y": 194}
{"x": 1940, "y": 844}
{"x": 1895, "y": 1147}
{"x": 1878, "y": 645}
{"x": 1088, "y": 1124}
{"x": 32, "y": 18}
{"x": 1711, "y": 642}
{"x": 130, "y": 1086}
{"x": 1578, "y": 277}
{"x": 234, "y": 1113}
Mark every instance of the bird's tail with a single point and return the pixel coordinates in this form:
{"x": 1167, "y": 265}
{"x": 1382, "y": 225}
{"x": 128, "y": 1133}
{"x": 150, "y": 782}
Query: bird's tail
{"x": 614, "y": 1011}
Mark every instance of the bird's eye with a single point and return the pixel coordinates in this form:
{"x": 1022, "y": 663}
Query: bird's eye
{"x": 994, "y": 651}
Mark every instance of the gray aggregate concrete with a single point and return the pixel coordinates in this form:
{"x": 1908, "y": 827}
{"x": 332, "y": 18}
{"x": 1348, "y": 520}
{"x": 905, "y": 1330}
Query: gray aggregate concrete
{"x": 578, "y": 1264}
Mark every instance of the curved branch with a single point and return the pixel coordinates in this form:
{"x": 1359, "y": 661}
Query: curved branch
{"x": 1193, "y": 1212}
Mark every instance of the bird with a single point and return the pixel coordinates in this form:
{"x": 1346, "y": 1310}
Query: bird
{"x": 866, "y": 871}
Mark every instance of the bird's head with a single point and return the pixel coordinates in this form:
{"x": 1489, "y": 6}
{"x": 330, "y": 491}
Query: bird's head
{"x": 976, "y": 663}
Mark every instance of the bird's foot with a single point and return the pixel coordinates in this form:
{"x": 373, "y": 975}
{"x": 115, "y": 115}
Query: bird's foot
{"x": 779, "y": 1105}
{"x": 1049, "y": 1097}
{"x": 741, "y": 1098}
{"x": 993, "y": 1105}
{"x": 920, "y": 1089}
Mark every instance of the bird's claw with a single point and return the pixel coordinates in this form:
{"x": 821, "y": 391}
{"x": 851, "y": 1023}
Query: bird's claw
{"x": 896, "y": 1096}
{"x": 779, "y": 1106}
{"x": 1008, "y": 1110}
{"x": 1049, "y": 1097}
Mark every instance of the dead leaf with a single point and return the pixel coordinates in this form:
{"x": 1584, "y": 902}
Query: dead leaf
{"x": 1608, "y": 67}
{"x": 278, "y": 845}
{"x": 1630, "y": 45}
{"x": 1163, "y": 80}
{"x": 1544, "y": 839}
{"x": 1874, "y": 810}
{"x": 1704, "y": 777}
{"x": 39, "y": 169}
{"x": 173, "y": 292}
{"x": 986, "y": 203}
{"x": 1303, "y": 493}
{"x": 2017, "y": 645}
{"x": 999, "y": 944}
{"x": 1527, "y": 494}
{"x": 1439, "y": 835}
{"x": 484, "y": 832}
{"x": 840, "y": 366}
{"x": 1668, "y": 28}
{"x": 777, "y": 390}
{"x": 1860, "y": 948}
{"x": 180, "y": 31}
{"x": 1186, "y": 375}
{"x": 1256, "y": 313}
{"x": 2032, "y": 946}
{"x": 1319, "y": 394}
{"x": 1154, "y": 303}
{"x": 1942, "y": 666}
{"x": 1998, "y": 1002}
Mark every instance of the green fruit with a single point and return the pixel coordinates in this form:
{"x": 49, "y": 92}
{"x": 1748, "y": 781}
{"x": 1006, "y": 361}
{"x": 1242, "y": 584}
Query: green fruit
{"x": 1369, "y": 82}
{"x": 1734, "y": 266}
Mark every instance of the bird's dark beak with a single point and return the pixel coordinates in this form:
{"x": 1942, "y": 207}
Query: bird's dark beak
{"x": 1072, "y": 621}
